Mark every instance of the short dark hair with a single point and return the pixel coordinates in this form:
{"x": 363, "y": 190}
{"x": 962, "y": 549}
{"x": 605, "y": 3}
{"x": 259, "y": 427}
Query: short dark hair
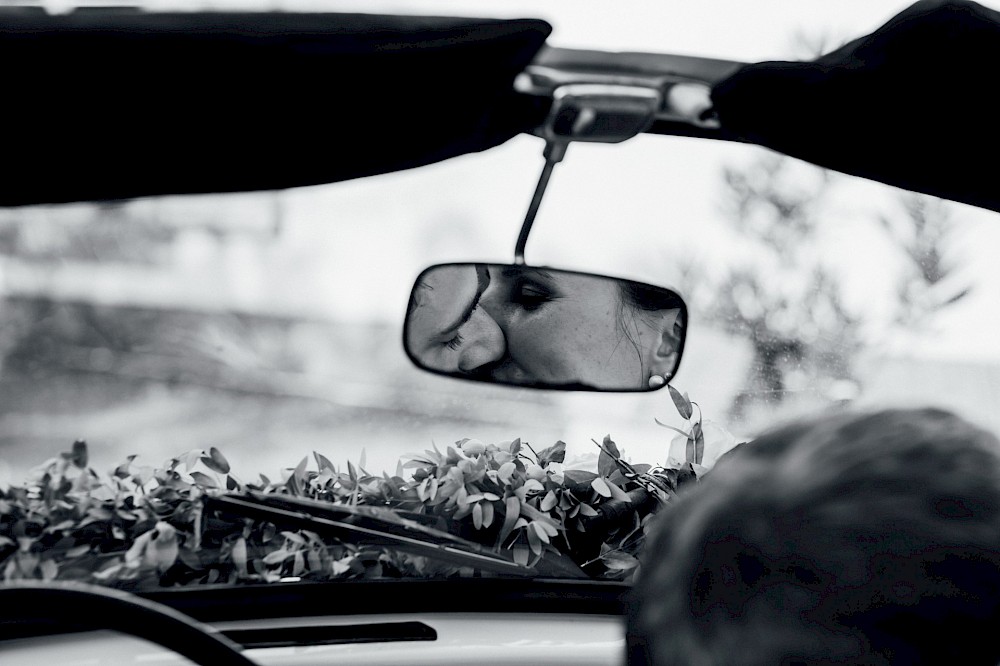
{"x": 869, "y": 538}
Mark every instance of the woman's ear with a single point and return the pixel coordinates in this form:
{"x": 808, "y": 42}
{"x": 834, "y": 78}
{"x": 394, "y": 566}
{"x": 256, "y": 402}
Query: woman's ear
{"x": 665, "y": 352}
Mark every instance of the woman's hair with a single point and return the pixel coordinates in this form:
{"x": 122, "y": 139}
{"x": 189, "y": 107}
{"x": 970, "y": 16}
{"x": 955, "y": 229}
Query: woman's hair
{"x": 647, "y": 297}
{"x": 640, "y": 300}
{"x": 868, "y": 539}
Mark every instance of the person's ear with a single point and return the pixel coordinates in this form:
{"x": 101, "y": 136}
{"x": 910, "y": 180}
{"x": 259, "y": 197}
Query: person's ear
{"x": 664, "y": 354}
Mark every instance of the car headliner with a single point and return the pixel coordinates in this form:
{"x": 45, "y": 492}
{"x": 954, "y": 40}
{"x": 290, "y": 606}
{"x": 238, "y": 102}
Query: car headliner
{"x": 115, "y": 105}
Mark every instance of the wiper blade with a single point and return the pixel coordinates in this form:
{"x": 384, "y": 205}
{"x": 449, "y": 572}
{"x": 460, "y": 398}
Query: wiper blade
{"x": 370, "y": 526}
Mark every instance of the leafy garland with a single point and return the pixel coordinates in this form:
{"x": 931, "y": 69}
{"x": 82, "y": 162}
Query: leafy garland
{"x": 140, "y": 526}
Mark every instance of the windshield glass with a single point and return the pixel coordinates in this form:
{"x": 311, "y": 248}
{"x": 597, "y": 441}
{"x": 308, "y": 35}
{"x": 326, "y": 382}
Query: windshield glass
{"x": 159, "y": 351}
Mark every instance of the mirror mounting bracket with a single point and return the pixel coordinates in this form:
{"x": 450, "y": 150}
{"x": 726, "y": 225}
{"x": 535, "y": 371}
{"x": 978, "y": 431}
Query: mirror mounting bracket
{"x": 591, "y": 112}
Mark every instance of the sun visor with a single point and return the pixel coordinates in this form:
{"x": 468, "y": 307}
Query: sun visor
{"x": 913, "y": 104}
{"x": 99, "y": 105}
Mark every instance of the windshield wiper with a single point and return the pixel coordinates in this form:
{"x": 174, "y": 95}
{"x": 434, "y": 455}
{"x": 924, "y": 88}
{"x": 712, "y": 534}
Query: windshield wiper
{"x": 378, "y": 527}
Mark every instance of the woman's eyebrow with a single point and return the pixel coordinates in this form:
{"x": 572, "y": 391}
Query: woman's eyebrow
{"x": 522, "y": 271}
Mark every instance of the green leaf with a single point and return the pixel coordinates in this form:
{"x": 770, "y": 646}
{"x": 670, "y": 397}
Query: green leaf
{"x": 215, "y": 461}
{"x": 579, "y": 476}
{"x": 531, "y": 485}
{"x": 534, "y": 541}
{"x": 163, "y": 549}
{"x": 617, "y": 493}
{"x": 619, "y": 561}
{"x": 49, "y": 569}
{"x": 606, "y": 461}
{"x": 601, "y": 486}
{"x": 549, "y": 501}
{"x": 488, "y": 514}
{"x": 294, "y": 537}
{"x": 322, "y": 462}
{"x": 512, "y": 506}
{"x": 299, "y": 565}
{"x": 537, "y": 528}
{"x": 699, "y": 443}
{"x": 477, "y": 516}
{"x": 521, "y": 555}
{"x": 274, "y": 557}
{"x": 123, "y": 469}
{"x": 240, "y": 556}
{"x": 506, "y": 472}
{"x": 78, "y": 456}
{"x": 299, "y": 473}
{"x": 535, "y": 514}
{"x": 554, "y": 453}
{"x": 587, "y": 510}
{"x": 267, "y": 532}
{"x": 677, "y": 430}
{"x": 191, "y": 458}
{"x": 681, "y": 402}
{"x": 204, "y": 480}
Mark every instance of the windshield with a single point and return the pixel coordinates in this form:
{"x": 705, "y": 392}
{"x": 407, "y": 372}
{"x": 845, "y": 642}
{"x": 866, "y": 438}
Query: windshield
{"x": 160, "y": 351}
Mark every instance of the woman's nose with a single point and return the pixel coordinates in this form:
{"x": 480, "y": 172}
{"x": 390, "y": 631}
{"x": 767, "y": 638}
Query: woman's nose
{"x": 486, "y": 342}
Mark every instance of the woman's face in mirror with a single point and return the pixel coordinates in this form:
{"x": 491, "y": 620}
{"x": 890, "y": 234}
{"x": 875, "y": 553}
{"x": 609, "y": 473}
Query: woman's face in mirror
{"x": 566, "y": 328}
{"x": 447, "y": 330}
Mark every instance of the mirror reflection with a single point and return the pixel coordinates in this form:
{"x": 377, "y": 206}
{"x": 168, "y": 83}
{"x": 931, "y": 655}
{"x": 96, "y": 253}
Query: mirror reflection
{"x": 543, "y": 327}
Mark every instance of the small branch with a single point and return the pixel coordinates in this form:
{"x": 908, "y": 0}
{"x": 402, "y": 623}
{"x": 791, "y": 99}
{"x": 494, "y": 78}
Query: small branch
{"x": 532, "y": 450}
{"x": 598, "y": 559}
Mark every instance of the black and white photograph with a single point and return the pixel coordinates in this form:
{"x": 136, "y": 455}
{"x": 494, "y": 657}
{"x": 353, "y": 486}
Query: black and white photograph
{"x": 499, "y": 333}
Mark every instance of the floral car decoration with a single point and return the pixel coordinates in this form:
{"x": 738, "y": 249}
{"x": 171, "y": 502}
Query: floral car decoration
{"x": 139, "y": 526}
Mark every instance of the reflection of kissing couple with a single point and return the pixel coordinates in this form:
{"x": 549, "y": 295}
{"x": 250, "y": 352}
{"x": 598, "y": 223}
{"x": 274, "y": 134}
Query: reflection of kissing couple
{"x": 530, "y": 326}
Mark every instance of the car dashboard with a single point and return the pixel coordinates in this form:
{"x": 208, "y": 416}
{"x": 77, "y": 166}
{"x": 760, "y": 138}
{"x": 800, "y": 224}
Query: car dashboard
{"x": 495, "y": 639}
{"x": 488, "y": 621}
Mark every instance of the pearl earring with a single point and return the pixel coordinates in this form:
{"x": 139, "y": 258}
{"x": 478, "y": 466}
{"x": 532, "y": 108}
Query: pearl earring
{"x": 656, "y": 381}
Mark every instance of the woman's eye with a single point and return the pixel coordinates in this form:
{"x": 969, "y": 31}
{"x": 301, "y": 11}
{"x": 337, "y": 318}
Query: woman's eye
{"x": 531, "y": 298}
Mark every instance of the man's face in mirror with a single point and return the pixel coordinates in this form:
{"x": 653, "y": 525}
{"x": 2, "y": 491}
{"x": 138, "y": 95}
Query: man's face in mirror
{"x": 447, "y": 330}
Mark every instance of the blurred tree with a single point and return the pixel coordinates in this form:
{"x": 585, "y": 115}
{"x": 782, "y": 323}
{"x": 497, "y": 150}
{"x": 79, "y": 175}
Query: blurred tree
{"x": 780, "y": 297}
{"x": 930, "y": 281}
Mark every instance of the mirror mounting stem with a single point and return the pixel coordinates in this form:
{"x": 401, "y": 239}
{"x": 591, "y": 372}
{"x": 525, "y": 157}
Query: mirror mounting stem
{"x": 593, "y": 112}
{"x": 553, "y": 153}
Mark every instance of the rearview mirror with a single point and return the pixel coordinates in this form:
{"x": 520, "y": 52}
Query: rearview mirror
{"x": 544, "y": 328}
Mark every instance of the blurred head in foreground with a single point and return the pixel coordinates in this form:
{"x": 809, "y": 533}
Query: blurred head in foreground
{"x": 869, "y": 539}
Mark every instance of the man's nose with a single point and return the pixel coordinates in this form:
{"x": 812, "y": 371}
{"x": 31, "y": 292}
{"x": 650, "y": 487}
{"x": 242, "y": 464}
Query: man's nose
{"x": 486, "y": 342}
